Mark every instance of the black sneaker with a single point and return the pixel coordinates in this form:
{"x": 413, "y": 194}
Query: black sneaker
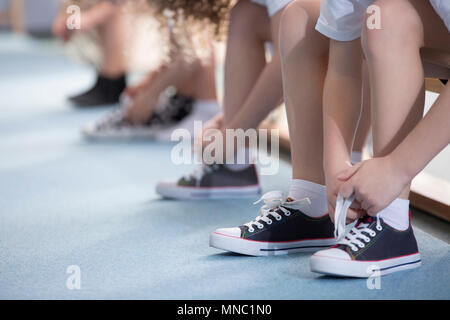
{"x": 281, "y": 228}
{"x": 371, "y": 246}
{"x": 214, "y": 181}
{"x": 106, "y": 91}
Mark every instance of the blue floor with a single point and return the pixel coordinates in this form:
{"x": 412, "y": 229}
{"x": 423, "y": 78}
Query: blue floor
{"x": 64, "y": 201}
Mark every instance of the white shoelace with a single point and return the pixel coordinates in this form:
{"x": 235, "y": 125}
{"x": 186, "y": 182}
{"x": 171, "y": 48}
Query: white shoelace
{"x": 273, "y": 201}
{"x": 358, "y": 234}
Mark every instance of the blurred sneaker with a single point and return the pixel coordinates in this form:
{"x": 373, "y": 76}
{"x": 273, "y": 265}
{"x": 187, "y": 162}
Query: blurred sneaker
{"x": 280, "y": 228}
{"x": 201, "y": 110}
{"x": 106, "y": 91}
{"x": 115, "y": 124}
{"x": 214, "y": 181}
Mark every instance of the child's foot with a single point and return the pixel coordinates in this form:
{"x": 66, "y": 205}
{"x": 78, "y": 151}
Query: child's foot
{"x": 281, "y": 228}
{"x": 105, "y": 91}
{"x": 214, "y": 181}
{"x": 115, "y": 125}
{"x": 372, "y": 245}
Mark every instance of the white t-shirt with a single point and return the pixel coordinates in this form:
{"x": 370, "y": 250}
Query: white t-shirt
{"x": 273, "y": 6}
{"x": 342, "y": 20}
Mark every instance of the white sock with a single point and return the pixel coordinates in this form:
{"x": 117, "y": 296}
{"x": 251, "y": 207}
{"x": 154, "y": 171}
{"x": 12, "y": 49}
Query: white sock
{"x": 396, "y": 214}
{"x": 355, "y": 157}
{"x": 301, "y": 189}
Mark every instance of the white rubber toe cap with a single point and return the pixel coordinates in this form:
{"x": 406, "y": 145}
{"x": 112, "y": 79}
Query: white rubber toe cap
{"x": 333, "y": 253}
{"x": 232, "y": 232}
{"x": 168, "y": 183}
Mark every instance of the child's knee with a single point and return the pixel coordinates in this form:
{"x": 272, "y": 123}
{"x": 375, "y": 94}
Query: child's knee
{"x": 244, "y": 14}
{"x": 390, "y": 23}
{"x": 293, "y": 27}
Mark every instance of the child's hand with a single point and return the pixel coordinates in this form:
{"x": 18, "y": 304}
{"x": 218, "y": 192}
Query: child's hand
{"x": 375, "y": 183}
{"x": 139, "y": 109}
{"x": 333, "y": 187}
{"x": 59, "y": 28}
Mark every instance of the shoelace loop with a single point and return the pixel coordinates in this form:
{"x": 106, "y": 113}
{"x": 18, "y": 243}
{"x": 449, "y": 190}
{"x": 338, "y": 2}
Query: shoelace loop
{"x": 357, "y": 233}
{"x": 273, "y": 201}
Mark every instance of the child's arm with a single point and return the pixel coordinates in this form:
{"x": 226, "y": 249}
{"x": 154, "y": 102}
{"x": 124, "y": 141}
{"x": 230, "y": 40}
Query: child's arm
{"x": 379, "y": 181}
{"x": 342, "y": 108}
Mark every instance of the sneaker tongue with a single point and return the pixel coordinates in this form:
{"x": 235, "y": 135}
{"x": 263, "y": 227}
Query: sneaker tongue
{"x": 289, "y": 199}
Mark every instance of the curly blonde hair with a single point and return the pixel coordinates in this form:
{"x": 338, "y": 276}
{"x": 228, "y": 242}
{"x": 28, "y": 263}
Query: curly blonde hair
{"x": 213, "y": 12}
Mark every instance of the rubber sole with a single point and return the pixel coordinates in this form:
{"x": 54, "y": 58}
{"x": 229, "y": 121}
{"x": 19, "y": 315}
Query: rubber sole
{"x": 362, "y": 269}
{"x": 261, "y": 248}
{"x": 119, "y": 135}
{"x": 190, "y": 193}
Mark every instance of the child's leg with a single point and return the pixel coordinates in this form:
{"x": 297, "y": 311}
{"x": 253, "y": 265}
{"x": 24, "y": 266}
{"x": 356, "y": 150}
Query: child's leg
{"x": 364, "y": 124}
{"x": 246, "y": 73}
{"x": 396, "y": 72}
{"x": 304, "y": 56}
{"x": 202, "y": 86}
{"x": 106, "y": 18}
{"x": 112, "y": 44}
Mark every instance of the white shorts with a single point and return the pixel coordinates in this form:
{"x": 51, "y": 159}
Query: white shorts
{"x": 342, "y": 20}
{"x": 273, "y": 6}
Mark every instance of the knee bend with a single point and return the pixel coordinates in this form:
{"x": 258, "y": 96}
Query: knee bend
{"x": 244, "y": 14}
{"x": 293, "y": 28}
{"x": 399, "y": 25}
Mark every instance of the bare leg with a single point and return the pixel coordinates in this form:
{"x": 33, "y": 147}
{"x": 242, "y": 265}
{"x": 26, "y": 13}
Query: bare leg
{"x": 245, "y": 58}
{"x": 397, "y": 76}
{"x": 112, "y": 44}
{"x": 365, "y": 121}
{"x": 304, "y": 55}
{"x": 202, "y": 85}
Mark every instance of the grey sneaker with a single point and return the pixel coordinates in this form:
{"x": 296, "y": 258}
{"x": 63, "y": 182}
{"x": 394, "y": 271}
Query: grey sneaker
{"x": 214, "y": 181}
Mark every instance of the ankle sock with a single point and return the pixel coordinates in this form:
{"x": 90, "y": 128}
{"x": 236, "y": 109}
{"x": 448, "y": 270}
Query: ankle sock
{"x": 396, "y": 214}
{"x": 301, "y": 189}
{"x": 355, "y": 157}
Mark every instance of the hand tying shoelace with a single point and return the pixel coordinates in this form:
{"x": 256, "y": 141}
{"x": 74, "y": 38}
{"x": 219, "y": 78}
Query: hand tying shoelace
{"x": 357, "y": 233}
{"x": 274, "y": 201}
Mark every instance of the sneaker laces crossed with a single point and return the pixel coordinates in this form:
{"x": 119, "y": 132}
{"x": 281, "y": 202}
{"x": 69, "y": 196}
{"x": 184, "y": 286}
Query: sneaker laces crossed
{"x": 359, "y": 234}
{"x": 274, "y": 201}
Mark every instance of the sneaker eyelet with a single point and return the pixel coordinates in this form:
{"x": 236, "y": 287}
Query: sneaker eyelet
{"x": 379, "y": 228}
{"x": 269, "y": 223}
{"x": 287, "y": 214}
{"x": 366, "y": 240}
{"x": 354, "y": 249}
{"x": 251, "y": 230}
{"x": 278, "y": 218}
{"x": 260, "y": 226}
{"x": 362, "y": 245}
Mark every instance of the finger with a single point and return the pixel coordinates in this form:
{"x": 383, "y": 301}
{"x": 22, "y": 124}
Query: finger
{"x": 348, "y": 173}
{"x": 347, "y": 189}
{"x": 373, "y": 211}
{"x": 356, "y": 205}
